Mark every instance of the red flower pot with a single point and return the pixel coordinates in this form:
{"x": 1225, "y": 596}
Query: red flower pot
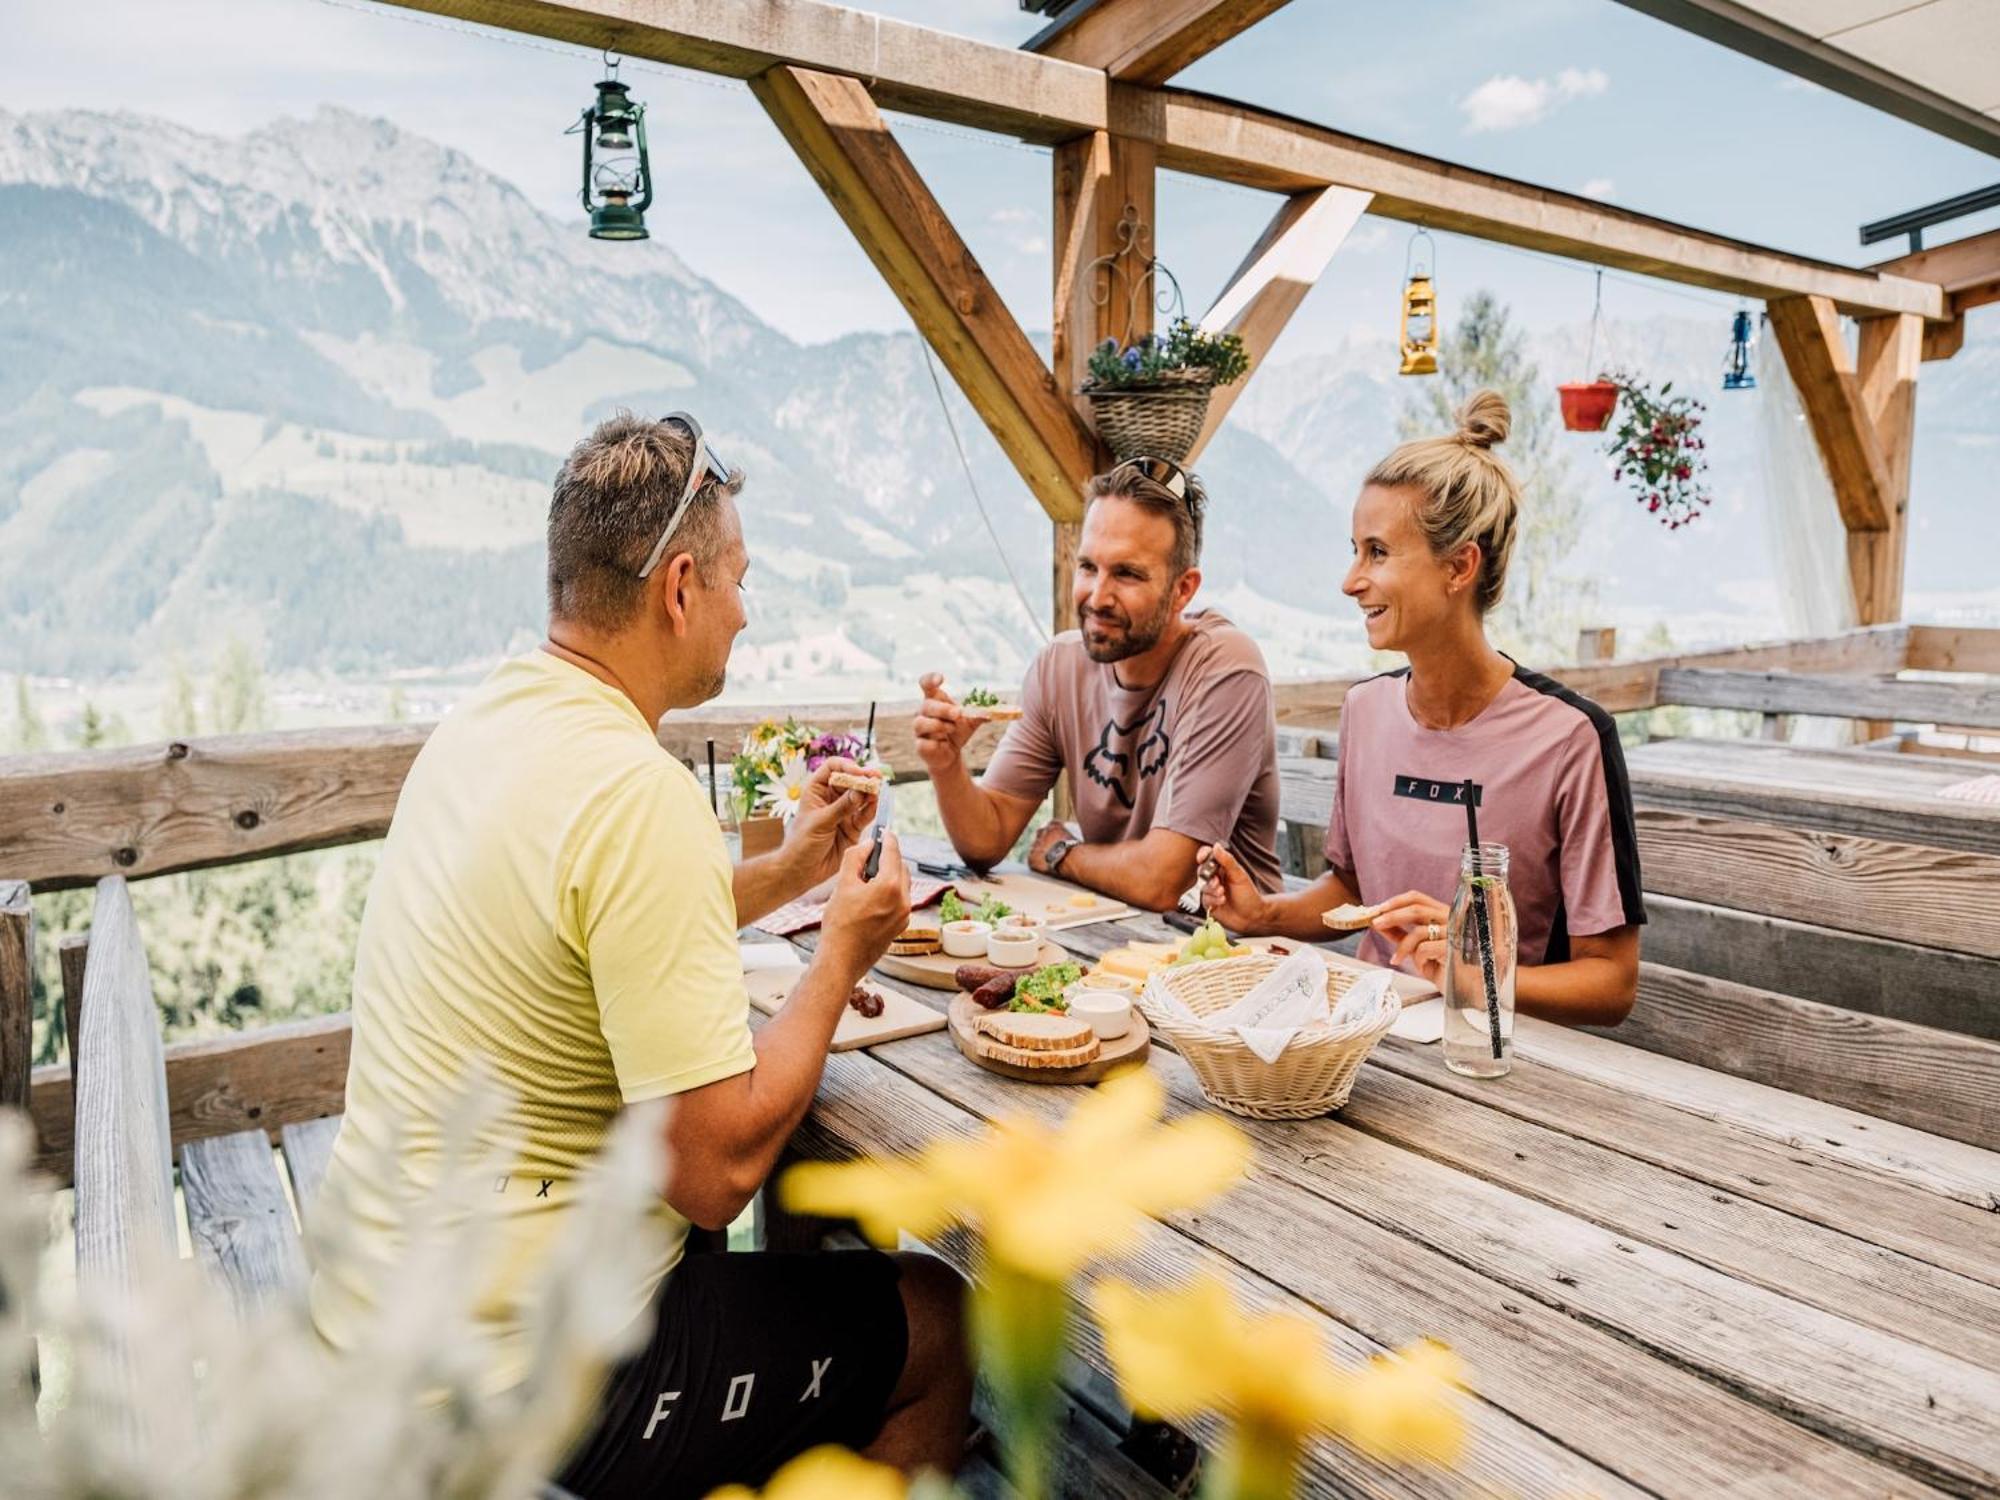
{"x": 1587, "y": 405}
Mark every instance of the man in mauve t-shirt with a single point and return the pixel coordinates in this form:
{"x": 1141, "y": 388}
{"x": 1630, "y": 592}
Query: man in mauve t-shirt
{"x": 1161, "y": 716}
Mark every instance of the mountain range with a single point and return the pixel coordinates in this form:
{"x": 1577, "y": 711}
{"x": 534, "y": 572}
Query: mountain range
{"x": 308, "y": 387}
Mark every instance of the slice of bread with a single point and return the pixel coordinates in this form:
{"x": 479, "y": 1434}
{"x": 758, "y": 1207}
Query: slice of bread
{"x": 1350, "y": 918}
{"x": 1034, "y": 1031}
{"x": 856, "y": 781}
{"x": 1038, "y": 1058}
{"x": 917, "y": 942}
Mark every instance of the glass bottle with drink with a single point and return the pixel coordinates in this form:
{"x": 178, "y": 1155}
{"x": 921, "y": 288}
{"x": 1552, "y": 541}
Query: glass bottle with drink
{"x": 1480, "y": 943}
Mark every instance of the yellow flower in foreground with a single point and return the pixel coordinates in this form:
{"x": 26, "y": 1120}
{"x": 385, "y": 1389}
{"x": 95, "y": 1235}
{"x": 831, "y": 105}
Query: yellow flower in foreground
{"x": 827, "y": 1473}
{"x": 1046, "y": 1200}
{"x": 1192, "y": 1350}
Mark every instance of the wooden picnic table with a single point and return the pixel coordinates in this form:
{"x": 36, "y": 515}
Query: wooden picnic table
{"x": 1662, "y": 1279}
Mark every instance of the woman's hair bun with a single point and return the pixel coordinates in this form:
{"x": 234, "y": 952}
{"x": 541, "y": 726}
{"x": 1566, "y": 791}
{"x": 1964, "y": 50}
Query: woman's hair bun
{"x": 1484, "y": 420}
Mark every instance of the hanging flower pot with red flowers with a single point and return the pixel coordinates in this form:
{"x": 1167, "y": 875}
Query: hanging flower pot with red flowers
{"x": 1587, "y": 404}
{"x": 1658, "y": 450}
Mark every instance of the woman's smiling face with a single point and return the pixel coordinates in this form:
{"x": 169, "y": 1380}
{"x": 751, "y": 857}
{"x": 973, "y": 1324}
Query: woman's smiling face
{"x": 1402, "y": 588}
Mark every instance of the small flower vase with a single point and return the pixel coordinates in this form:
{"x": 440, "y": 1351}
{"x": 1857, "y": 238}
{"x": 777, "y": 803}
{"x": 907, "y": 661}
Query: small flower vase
{"x": 762, "y": 834}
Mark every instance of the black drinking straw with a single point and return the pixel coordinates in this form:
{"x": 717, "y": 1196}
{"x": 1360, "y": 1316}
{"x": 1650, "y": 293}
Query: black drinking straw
{"x": 714, "y": 806}
{"x": 1480, "y": 919}
{"x": 868, "y": 743}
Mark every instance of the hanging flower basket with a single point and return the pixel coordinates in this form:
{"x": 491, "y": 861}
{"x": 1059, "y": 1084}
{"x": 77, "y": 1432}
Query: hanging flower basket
{"x": 1587, "y": 404}
{"x": 1150, "y": 398}
{"x": 1159, "y": 419}
{"x": 1658, "y": 451}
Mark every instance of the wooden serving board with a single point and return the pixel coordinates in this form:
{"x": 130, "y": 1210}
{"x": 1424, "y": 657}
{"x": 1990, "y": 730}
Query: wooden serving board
{"x": 934, "y": 970}
{"x": 1044, "y": 897}
{"x": 901, "y": 1016}
{"x": 1122, "y": 1052}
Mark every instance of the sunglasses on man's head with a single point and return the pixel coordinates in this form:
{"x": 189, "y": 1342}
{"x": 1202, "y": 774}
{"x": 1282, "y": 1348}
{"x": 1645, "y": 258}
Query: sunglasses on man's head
{"x": 1164, "y": 472}
{"x": 706, "y": 462}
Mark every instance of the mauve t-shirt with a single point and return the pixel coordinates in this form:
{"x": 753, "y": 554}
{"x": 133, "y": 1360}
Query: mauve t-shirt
{"x": 1552, "y": 788}
{"x": 1196, "y": 753}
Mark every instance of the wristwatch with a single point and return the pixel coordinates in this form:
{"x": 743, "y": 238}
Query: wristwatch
{"x": 1057, "y": 852}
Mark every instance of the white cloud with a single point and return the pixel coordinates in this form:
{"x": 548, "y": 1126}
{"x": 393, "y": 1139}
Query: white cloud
{"x": 1598, "y": 187}
{"x": 1507, "y": 101}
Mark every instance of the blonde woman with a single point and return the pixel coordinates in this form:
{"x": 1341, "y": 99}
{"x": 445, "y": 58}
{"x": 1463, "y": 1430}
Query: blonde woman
{"x": 1433, "y": 528}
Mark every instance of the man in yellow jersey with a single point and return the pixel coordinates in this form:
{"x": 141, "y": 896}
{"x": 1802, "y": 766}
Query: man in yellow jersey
{"x": 555, "y": 908}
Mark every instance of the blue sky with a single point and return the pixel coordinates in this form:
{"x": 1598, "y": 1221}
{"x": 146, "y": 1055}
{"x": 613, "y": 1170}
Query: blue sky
{"x": 1584, "y": 95}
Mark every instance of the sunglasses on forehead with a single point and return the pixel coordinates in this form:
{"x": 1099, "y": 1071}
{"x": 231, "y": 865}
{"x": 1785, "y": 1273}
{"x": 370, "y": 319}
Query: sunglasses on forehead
{"x": 705, "y": 464}
{"x": 1164, "y": 472}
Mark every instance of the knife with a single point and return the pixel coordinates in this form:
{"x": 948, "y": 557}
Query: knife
{"x": 885, "y": 808}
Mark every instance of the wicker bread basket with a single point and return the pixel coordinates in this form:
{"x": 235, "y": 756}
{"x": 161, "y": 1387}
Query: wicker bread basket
{"x": 1157, "y": 420}
{"x": 1312, "y": 1076}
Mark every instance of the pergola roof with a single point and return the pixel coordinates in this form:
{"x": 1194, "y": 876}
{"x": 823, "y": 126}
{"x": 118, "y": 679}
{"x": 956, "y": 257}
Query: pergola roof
{"x": 1935, "y": 63}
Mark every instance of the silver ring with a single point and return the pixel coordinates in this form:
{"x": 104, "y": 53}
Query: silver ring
{"x": 1435, "y": 934}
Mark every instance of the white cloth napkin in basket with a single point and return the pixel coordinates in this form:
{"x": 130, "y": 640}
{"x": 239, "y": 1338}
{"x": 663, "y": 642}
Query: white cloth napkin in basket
{"x": 1283, "y": 1003}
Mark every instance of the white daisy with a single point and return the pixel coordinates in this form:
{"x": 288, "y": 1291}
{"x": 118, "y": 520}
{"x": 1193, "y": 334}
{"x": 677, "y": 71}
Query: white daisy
{"x": 783, "y": 794}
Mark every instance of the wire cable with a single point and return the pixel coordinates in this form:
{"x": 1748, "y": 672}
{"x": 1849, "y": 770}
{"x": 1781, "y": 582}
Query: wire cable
{"x": 972, "y": 484}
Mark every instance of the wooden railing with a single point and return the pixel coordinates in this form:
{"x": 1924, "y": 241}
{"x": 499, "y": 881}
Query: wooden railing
{"x": 68, "y": 820}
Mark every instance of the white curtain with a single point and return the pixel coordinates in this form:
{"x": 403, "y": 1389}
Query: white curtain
{"x": 1801, "y": 517}
{"x": 1802, "y": 520}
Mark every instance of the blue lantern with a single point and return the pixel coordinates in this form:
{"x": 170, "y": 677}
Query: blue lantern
{"x": 1736, "y": 374}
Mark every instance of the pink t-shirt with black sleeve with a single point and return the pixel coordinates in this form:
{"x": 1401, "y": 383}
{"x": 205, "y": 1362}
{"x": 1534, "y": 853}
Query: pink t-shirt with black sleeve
{"x": 1552, "y": 788}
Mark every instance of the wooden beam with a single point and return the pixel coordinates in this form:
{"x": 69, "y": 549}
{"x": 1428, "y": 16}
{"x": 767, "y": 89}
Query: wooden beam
{"x": 1146, "y": 41}
{"x": 1954, "y": 648}
{"x": 1271, "y": 283}
{"x": 1220, "y": 138}
{"x": 17, "y": 992}
{"x": 841, "y": 137}
{"x": 253, "y": 1080}
{"x": 952, "y": 78}
{"x": 1808, "y": 332}
{"x": 1968, "y": 265}
{"x": 68, "y": 819}
{"x": 1886, "y": 369}
{"x": 1975, "y": 703}
{"x": 916, "y": 69}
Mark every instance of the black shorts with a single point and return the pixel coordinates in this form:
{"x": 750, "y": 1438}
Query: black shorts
{"x": 754, "y": 1359}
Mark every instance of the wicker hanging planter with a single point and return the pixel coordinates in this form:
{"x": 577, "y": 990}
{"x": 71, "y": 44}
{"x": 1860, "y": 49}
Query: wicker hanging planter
{"x": 1160, "y": 419}
{"x": 1149, "y": 393}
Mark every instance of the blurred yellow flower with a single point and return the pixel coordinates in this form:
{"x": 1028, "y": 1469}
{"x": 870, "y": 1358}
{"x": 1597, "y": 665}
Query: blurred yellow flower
{"x": 1045, "y": 1200}
{"x": 1191, "y": 1349}
{"x": 827, "y": 1473}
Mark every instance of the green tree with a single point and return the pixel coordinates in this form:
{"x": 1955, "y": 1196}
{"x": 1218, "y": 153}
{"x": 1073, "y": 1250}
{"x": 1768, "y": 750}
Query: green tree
{"x": 29, "y": 732}
{"x": 1543, "y": 608}
{"x": 237, "y": 702}
{"x": 179, "y": 717}
{"x": 94, "y": 729}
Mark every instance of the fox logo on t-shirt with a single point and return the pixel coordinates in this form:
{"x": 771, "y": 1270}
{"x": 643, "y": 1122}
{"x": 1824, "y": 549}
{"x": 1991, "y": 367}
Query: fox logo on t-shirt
{"x": 1123, "y": 750}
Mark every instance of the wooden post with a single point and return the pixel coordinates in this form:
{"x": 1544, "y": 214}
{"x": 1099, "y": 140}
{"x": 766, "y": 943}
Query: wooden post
{"x": 71, "y": 954}
{"x": 1099, "y": 180}
{"x": 1596, "y": 643}
{"x": 17, "y": 993}
{"x": 1886, "y": 368}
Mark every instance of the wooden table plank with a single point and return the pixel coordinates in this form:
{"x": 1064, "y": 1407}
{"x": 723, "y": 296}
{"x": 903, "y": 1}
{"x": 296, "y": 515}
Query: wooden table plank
{"x": 1657, "y": 1424}
{"x": 865, "y": 1106}
{"x": 1797, "y": 1257}
{"x": 1850, "y": 1172}
{"x": 1880, "y": 1210}
{"x": 1879, "y": 1147}
{"x": 239, "y": 1218}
